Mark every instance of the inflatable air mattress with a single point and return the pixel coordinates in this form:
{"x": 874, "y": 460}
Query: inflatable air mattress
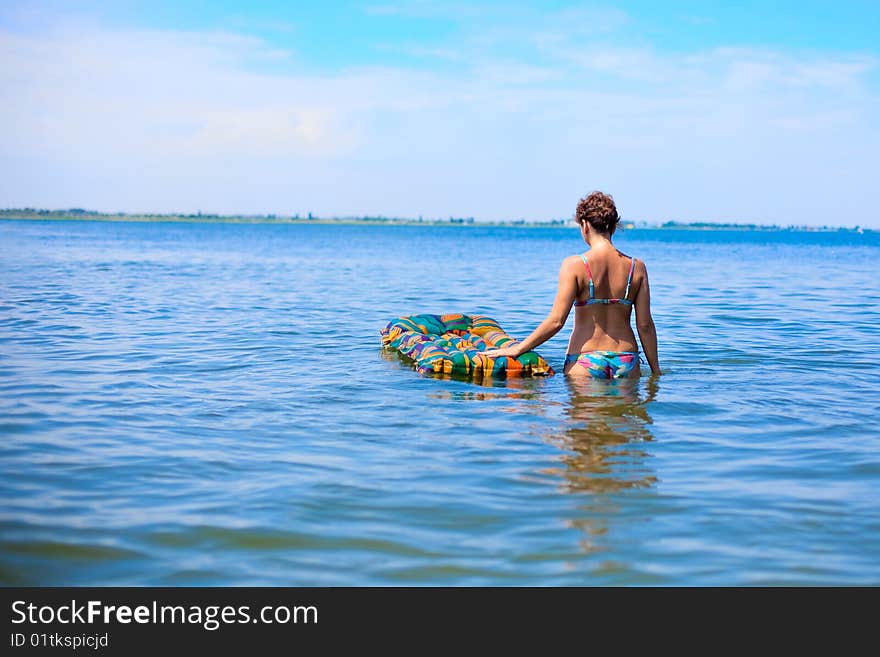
{"x": 454, "y": 344}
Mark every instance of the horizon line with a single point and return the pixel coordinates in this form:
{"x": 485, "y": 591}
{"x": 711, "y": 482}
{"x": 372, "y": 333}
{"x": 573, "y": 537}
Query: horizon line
{"x": 626, "y": 224}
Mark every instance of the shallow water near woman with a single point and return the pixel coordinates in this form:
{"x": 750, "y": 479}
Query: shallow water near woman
{"x": 209, "y": 405}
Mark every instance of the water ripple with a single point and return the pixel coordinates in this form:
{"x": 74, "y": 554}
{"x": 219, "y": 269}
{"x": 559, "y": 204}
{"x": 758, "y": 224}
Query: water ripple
{"x": 191, "y": 405}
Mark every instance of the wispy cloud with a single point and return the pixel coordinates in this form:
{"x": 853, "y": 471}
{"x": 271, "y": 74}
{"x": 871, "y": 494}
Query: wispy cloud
{"x": 424, "y": 9}
{"x": 175, "y": 120}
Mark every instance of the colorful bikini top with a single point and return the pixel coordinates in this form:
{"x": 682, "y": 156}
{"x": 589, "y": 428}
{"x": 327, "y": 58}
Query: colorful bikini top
{"x": 592, "y": 300}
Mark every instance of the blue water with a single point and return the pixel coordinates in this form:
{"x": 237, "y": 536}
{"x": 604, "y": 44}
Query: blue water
{"x": 209, "y": 404}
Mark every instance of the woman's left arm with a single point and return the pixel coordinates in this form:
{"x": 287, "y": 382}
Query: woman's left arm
{"x": 555, "y": 320}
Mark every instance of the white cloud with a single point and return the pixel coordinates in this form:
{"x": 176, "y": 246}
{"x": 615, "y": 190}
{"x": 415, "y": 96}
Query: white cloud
{"x": 178, "y": 94}
{"x": 165, "y": 120}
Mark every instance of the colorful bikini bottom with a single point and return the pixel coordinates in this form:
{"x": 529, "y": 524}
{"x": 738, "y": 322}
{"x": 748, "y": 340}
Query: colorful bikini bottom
{"x": 606, "y": 364}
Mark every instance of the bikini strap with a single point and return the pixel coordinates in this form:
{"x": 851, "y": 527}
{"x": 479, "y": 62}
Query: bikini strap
{"x": 632, "y": 266}
{"x": 589, "y": 273}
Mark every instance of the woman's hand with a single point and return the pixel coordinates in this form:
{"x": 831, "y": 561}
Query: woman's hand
{"x": 513, "y": 352}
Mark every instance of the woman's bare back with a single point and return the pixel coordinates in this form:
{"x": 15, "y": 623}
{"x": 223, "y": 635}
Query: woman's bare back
{"x": 605, "y": 326}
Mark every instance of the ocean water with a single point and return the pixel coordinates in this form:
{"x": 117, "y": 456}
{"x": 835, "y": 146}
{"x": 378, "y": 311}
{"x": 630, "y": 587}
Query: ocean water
{"x": 209, "y": 405}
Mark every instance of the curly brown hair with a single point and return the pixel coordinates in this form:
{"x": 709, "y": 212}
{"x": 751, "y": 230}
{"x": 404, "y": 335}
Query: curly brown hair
{"x": 599, "y": 209}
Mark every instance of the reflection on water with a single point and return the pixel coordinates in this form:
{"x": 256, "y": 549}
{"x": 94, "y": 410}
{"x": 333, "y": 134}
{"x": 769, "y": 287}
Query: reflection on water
{"x": 606, "y": 423}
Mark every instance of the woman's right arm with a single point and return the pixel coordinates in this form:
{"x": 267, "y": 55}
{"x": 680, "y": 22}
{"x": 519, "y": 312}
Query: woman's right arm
{"x": 644, "y": 321}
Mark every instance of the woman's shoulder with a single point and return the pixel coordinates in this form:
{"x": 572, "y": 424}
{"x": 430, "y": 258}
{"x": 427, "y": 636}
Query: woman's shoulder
{"x": 571, "y": 265}
{"x": 640, "y": 270}
{"x": 638, "y": 262}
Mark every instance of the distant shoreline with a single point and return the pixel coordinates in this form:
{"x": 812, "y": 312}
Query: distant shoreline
{"x": 86, "y": 215}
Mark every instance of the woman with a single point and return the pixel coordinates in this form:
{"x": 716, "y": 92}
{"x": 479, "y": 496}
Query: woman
{"x": 603, "y": 285}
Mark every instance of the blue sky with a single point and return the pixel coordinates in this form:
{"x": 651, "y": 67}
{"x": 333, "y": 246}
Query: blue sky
{"x": 753, "y": 112}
